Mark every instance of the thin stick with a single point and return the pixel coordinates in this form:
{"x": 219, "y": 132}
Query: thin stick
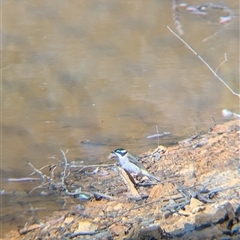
{"x": 209, "y": 67}
{"x": 225, "y": 55}
{"x": 28, "y": 179}
{"x": 158, "y": 135}
{"x": 64, "y": 166}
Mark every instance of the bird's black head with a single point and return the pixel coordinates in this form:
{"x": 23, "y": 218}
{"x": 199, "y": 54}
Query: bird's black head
{"x": 120, "y": 151}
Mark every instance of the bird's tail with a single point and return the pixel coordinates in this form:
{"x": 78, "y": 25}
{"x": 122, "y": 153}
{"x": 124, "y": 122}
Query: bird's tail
{"x": 153, "y": 177}
{"x": 149, "y": 175}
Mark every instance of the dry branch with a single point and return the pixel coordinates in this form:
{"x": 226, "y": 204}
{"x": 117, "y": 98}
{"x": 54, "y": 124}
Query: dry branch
{"x": 208, "y": 66}
{"x": 129, "y": 183}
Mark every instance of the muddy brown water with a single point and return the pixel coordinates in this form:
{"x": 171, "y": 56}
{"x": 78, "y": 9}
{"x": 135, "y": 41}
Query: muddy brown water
{"x": 106, "y": 73}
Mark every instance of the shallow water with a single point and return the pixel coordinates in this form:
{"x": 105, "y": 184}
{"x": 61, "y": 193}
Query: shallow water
{"x": 107, "y": 73}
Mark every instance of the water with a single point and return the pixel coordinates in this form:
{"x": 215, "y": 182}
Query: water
{"x": 107, "y": 73}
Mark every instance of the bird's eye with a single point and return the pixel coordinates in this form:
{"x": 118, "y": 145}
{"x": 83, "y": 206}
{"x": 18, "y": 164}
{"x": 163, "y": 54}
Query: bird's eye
{"x": 120, "y": 151}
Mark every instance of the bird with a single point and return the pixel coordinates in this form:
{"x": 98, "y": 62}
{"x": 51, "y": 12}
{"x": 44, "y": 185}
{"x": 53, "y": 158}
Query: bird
{"x": 129, "y": 163}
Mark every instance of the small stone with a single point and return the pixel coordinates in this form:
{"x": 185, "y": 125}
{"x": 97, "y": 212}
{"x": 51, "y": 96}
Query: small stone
{"x": 195, "y": 203}
{"x": 230, "y": 210}
{"x": 80, "y": 207}
{"x": 198, "y": 209}
{"x": 118, "y": 230}
{"x": 68, "y": 220}
{"x": 167, "y": 214}
{"x": 86, "y": 226}
{"x": 118, "y": 207}
{"x": 184, "y": 213}
{"x": 153, "y": 232}
{"x": 195, "y": 206}
{"x": 109, "y": 209}
{"x": 188, "y": 227}
{"x": 101, "y": 213}
{"x": 183, "y": 4}
{"x": 225, "y": 238}
{"x": 211, "y": 232}
{"x": 237, "y": 212}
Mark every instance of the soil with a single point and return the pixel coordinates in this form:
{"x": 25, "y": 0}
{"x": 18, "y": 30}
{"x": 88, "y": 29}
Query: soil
{"x": 198, "y": 196}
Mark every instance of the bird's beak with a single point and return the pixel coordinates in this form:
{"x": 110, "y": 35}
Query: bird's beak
{"x": 111, "y": 155}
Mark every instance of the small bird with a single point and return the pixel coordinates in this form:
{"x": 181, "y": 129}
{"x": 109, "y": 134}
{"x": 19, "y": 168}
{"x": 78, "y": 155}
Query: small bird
{"x": 129, "y": 163}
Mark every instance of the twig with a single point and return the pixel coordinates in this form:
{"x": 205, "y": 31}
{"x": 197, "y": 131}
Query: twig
{"x": 158, "y": 135}
{"x": 208, "y": 66}
{"x": 28, "y": 179}
{"x": 214, "y": 191}
{"x": 30, "y": 228}
{"x": 225, "y": 56}
{"x": 73, "y": 235}
{"x": 43, "y": 177}
{"x": 176, "y": 206}
{"x": 52, "y": 171}
{"x": 65, "y": 164}
{"x": 46, "y": 166}
{"x": 104, "y": 196}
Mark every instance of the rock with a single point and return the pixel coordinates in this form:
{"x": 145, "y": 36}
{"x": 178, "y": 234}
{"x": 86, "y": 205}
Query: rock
{"x": 237, "y": 213}
{"x": 230, "y": 210}
{"x": 203, "y": 220}
{"x": 195, "y": 203}
{"x": 118, "y": 230}
{"x": 184, "y": 213}
{"x": 220, "y": 215}
{"x": 118, "y": 207}
{"x": 68, "y": 220}
{"x": 225, "y": 238}
{"x": 223, "y": 213}
{"x": 167, "y": 214}
{"x": 195, "y": 206}
{"x": 198, "y": 209}
{"x": 236, "y": 229}
{"x": 152, "y": 232}
{"x": 208, "y": 233}
{"x": 86, "y": 226}
{"x": 188, "y": 227}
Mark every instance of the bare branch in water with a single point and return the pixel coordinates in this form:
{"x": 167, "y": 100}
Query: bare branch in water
{"x": 28, "y": 179}
{"x": 208, "y": 66}
{"x": 176, "y": 19}
{"x": 59, "y": 184}
{"x": 65, "y": 164}
{"x": 45, "y": 179}
{"x": 225, "y": 56}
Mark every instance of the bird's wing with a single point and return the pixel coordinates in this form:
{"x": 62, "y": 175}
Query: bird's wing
{"x": 143, "y": 170}
{"x": 135, "y": 161}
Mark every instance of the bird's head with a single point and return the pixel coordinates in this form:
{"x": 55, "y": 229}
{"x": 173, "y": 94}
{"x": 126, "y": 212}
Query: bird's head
{"x": 119, "y": 152}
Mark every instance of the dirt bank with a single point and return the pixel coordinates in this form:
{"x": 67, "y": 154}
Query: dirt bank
{"x": 198, "y": 198}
